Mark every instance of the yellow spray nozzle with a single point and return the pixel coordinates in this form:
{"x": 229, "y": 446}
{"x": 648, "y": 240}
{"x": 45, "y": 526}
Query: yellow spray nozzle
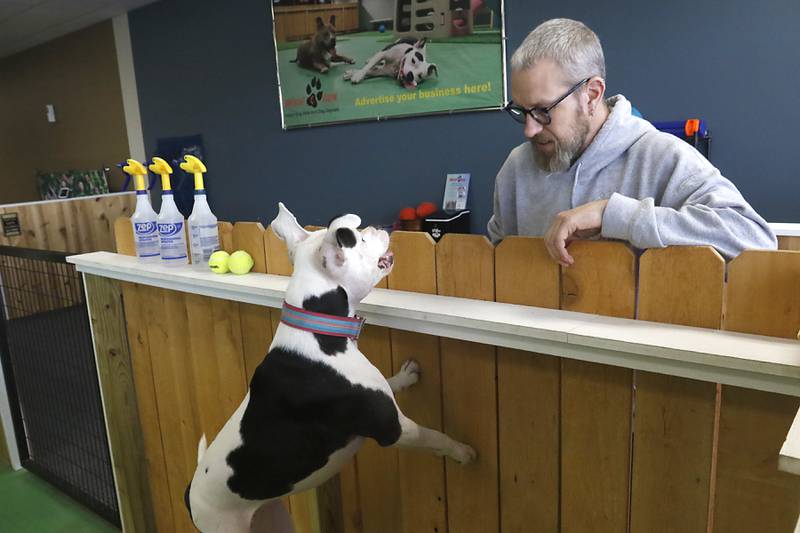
{"x": 194, "y": 166}
{"x": 134, "y": 168}
{"x": 162, "y": 168}
{"x": 137, "y": 170}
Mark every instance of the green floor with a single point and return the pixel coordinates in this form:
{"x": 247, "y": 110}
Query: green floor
{"x": 28, "y": 504}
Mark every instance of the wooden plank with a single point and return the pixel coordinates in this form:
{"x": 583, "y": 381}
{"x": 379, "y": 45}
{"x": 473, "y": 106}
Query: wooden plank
{"x": 167, "y": 324}
{"x": 151, "y": 430}
{"x": 113, "y": 359}
{"x": 100, "y": 227}
{"x": 249, "y": 236}
{"x": 763, "y": 293}
{"x": 752, "y": 494}
{"x": 255, "y": 320}
{"x": 217, "y": 361}
{"x": 277, "y": 254}
{"x": 469, "y": 257}
{"x": 225, "y": 236}
{"x": 465, "y": 268}
{"x": 36, "y": 237}
{"x": 676, "y": 418}
{"x": 123, "y": 234}
{"x": 596, "y": 400}
{"x": 351, "y": 504}
{"x": 378, "y": 476}
{"x": 52, "y": 227}
{"x": 71, "y": 229}
{"x": 684, "y": 285}
{"x": 788, "y": 243}
{"x": 277, "y": 263}
{"x": 422, "y": 476}
{"x": 528, "y": 392}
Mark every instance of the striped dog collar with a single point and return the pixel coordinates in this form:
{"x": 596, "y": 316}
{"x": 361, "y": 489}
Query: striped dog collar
{"x": 321, "y": 324}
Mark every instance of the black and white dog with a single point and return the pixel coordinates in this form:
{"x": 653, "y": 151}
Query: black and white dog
{"x": 404, "y": 60}
{"x": 315, "y": 397}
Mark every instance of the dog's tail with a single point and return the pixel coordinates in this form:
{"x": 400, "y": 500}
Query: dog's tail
{"x": 201, "y": 448}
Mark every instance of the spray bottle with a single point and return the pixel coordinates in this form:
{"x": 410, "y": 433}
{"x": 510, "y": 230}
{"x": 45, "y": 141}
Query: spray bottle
{"x": 203, "y": 231}
{"x": 145, "y": 230}
{"x": 170, "y": 220}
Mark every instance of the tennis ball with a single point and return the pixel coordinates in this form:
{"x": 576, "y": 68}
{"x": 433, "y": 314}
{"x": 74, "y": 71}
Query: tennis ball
{"x": 240, "y": 262}
{"x": 218, "y": 262}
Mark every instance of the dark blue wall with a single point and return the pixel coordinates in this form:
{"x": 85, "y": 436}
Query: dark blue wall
{"x": 204, "y": 66}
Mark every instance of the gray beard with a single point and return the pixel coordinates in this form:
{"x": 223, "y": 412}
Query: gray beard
{"x": 566, "y": 152}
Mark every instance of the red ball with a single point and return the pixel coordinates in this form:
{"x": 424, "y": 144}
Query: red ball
{"x": 408, "y": 213}
{"x": 425, "y": 209}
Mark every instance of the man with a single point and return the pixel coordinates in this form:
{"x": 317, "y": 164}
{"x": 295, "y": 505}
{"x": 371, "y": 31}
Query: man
{"x": 591, "y": 168}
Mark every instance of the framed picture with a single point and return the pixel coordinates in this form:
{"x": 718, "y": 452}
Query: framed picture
{"x": 376, "y": 59}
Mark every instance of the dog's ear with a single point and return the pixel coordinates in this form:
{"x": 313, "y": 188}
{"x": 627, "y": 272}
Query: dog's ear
{"x": 432, "y": 69}
{"x": 287, "y": 229}
{"x": 342, "y": 231}
{"x": 320, "y": 24}
{"x": 421, "y": 43}
{"x": 333, "y": 20}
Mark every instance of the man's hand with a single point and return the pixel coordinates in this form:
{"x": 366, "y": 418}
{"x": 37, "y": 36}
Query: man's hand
{"x": 582, "y": 222}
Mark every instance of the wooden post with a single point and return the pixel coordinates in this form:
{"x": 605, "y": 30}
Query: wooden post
{"x": 528, "y": 392}
{"x": 422, "y": 478}
{"x": 676, "y": 418}
{"x": 596, "y": 400}
{"x": 119, "y": 403}
{"x": 752, "y": 495}
{"x": 465, "y": 268}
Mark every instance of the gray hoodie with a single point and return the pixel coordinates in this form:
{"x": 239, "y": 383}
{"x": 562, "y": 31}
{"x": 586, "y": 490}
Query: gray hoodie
{"x": 661, "y": 191}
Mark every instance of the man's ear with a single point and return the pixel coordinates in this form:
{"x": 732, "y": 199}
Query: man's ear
{"x": 287, "y": 229}
{"x": 595, "y": 91}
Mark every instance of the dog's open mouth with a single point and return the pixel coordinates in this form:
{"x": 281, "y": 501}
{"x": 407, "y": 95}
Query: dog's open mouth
{"x": 386, "y": 260}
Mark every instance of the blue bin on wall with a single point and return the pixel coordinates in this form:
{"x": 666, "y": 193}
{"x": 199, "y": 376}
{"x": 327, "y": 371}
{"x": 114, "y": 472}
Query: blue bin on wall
{"x": 693, "y": 130}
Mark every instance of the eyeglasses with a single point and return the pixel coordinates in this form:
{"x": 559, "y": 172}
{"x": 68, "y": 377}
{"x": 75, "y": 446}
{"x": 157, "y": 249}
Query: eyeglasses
{"x": 539, "y": 114}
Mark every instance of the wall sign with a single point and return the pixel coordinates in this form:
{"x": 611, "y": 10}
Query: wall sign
{"x": 10, "y": 224}
{"x": 375, "y": 59}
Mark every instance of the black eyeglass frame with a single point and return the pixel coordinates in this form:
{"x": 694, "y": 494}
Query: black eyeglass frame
{"x": 539, "y": 114}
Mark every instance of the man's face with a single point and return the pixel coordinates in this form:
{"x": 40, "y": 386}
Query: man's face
{"x": 557, "y": 145}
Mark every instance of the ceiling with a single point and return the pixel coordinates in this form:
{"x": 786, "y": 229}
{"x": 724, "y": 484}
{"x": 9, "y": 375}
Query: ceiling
{"x": 26, "y": 23}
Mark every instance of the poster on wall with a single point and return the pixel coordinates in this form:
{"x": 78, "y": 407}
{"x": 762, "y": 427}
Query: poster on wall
{"x": 375, "y": 59}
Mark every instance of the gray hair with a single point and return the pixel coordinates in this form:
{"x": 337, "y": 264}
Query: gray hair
{"x": 568, "y": 43}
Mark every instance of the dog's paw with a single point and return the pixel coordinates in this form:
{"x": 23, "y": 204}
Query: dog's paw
{"x": 357, "y": 77}
{"x": 407, "y": 376}
{"x": 409, "y": 373}
{"x": 463, "y": 453}
{"x": 351, "y": 61}
{"x": 314, "y": 92}
{"x": 347, "y": 74}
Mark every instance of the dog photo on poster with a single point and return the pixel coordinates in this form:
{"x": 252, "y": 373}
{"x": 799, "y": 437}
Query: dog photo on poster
{"x": 372, "y": 59}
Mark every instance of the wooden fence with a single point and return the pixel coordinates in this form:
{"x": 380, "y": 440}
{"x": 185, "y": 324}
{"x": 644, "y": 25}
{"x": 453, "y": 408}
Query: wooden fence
{"x": 74, "y": 225}
{"x": 564, "y": 445}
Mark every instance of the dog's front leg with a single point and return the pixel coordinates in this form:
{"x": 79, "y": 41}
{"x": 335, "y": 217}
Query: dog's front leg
{"x": 322, "y": 67}
{"x": 415, "y": 436}
{"x": 358, "y": 75}
{"x": 342, "y": 59}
